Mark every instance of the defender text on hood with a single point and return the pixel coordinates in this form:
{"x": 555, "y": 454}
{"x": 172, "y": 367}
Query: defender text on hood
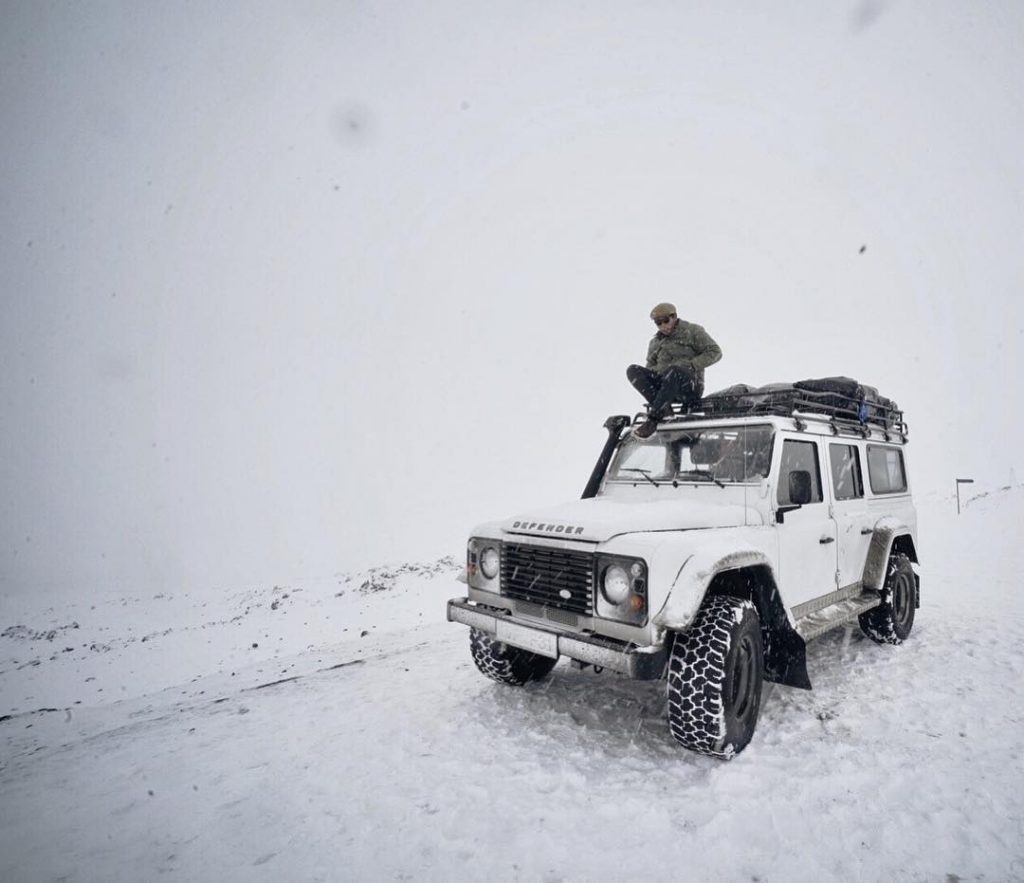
{"x": 599, "y": 519}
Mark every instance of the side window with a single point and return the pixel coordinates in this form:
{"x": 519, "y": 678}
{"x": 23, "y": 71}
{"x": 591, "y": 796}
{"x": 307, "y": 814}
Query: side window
{"x": 885, "y": 470}
{"x": 797, "y": 455}
{"x": 846, "y": 475}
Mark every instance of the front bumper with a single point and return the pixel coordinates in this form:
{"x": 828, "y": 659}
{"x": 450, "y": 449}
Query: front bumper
{"x": 641, "y": 663}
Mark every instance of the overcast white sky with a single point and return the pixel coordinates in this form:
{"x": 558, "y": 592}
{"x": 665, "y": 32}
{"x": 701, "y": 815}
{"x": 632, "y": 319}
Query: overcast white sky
{"x": 296, "y": 288}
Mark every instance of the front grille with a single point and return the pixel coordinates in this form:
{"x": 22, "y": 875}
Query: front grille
{"x": 553, "y": 577}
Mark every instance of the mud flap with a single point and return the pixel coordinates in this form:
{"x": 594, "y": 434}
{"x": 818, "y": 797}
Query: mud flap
{"x": 786, "y": 660}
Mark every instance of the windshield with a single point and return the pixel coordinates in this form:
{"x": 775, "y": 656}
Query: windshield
{"x": 723, "y": 455}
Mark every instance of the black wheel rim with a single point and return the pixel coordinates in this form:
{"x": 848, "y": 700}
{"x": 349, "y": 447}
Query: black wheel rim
{"x": 902, "y": 601}
{"x": 744, "y": 679}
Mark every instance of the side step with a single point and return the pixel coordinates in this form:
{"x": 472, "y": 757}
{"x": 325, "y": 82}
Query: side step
{"x": 815, "y": 624}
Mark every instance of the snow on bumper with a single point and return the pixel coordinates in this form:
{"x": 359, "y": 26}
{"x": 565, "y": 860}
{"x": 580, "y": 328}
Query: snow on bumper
{"x": 641, "y": 663}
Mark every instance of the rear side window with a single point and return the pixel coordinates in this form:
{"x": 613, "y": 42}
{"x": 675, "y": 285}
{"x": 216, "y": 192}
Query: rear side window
{"x": 801, "y": 455}
{"x": 885, "y": 470}
{"x": 846, "y": 476}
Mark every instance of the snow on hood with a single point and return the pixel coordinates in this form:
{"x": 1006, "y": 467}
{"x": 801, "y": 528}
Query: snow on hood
{"x": 600, "y": 518}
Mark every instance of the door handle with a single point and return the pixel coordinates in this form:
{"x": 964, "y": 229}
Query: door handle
{"x": 864, "y": 531}
{"x": 826, "y": 540}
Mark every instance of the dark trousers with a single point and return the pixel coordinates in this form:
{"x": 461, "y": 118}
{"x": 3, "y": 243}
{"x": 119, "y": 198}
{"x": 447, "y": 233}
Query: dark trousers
{"x": 677, "y": 384}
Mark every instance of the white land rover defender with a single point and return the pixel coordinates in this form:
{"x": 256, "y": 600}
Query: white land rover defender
{"x": 709, "y": 554}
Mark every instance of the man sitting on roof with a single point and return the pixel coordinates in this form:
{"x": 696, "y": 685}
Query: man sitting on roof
{"x": 676, "y": 358}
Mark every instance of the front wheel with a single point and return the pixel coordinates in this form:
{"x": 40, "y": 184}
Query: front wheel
{"x": 715, "y": 672}
{"x": 891, "y": 621}
{"x": 507, "y": 664}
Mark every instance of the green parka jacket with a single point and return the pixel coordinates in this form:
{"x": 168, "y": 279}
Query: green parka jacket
{"x": 688, "y": 345}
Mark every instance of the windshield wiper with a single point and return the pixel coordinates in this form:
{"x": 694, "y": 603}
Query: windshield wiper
{"x": 643, "y": 472}
{"x": 704, "y": 473}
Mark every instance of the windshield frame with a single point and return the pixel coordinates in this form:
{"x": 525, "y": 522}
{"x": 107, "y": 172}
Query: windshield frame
{"x": 674, "y": 440}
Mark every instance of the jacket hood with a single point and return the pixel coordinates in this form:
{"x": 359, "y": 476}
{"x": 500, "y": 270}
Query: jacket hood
{"x": 600, "y": 518}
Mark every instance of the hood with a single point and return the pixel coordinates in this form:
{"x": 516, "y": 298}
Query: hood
{"x": 600, "y": 518}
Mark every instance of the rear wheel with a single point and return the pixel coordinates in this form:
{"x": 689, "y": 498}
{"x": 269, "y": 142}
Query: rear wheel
{"x": 507, "y": 664}
{"x": 891, "y": 621}
{"x": 715, "y": 674}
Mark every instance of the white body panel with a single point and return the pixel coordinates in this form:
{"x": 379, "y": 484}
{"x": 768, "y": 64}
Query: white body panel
{"x": 655, "y": 509}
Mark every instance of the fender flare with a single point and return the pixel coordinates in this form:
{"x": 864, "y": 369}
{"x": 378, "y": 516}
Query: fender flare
{"x": 784, "y": 649}
{"x": 886, "y": 534}
{"x": 696, "y": 574}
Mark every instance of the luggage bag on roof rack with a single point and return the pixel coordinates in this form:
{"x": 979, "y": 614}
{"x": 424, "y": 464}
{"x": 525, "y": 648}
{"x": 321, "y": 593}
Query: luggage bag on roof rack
{"x": 840, "y": 397}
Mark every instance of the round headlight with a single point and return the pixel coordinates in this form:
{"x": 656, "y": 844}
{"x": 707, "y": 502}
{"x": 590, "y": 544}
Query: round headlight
{"x": 490, "y": 562}
{"x": 615, "y": 584}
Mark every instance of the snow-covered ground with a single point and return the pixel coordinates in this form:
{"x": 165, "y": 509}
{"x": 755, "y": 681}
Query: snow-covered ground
{"x": 337, "y": 729}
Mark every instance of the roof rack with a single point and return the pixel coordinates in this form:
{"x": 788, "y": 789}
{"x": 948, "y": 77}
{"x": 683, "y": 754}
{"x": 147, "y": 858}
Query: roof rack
{"x": 843, "y": 413}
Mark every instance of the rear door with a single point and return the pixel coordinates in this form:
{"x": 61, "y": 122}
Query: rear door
{"x": 853, "y": 520}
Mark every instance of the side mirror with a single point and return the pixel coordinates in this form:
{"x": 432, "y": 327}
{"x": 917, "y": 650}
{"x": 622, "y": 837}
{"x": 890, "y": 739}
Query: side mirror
{"x": 799, "y": 487}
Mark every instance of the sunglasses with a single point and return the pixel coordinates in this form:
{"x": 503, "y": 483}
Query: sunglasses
{"x": 663, "y": 320}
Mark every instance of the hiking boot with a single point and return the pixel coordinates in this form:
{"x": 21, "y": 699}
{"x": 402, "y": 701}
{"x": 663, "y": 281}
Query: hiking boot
{"x": 647, "y": 429}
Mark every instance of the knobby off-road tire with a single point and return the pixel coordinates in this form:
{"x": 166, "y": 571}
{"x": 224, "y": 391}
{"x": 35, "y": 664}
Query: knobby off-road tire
{"x": 892, "y": 620}
{"x": 505, "y": 663}
{"x": 715, "y": 672}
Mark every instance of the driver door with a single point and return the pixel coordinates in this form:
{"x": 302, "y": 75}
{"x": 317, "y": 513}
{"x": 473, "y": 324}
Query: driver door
{"x": 807, "y": 536}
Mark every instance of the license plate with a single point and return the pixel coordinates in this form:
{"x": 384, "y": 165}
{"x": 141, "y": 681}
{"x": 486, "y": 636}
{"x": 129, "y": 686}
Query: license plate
{"x": 535, "y": 641}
